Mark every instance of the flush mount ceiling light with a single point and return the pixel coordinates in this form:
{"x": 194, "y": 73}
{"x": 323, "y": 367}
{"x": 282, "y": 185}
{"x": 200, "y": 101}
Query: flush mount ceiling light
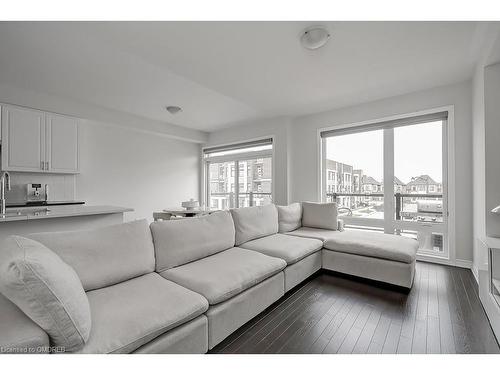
{"x": 314, "y": 37}
{"x": 173, "y": 109}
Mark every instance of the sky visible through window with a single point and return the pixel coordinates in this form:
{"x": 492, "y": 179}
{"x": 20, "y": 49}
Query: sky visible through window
{"x": 417, "y": 151}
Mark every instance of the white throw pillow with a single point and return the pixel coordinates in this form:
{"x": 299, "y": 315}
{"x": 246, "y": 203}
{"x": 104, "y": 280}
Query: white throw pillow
{"x": 289, "y": 217}
{"x": 319, "y": 215}
{"x": 47, "y": 290}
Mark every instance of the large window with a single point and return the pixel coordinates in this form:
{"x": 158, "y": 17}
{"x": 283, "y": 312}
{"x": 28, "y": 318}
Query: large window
{"x": 251, "y": 186}
{"x": 391, "y": 177}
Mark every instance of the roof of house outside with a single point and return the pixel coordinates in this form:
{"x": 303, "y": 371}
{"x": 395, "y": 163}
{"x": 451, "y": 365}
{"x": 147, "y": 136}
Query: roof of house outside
{"x": 369, "y": 180}
{"x": 424, "y": 179}
{"x": 397, "y": 181}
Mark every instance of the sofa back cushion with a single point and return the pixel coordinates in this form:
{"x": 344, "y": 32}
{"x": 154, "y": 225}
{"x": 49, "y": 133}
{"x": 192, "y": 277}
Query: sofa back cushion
{"x": 289, "y": 217}
{"x": 319, "y": 215}
{"x": 254, "y": 222}
{"x": 47, "y": 290}
{"x": 177, "y": 242}
{"x": 104, "y": 256}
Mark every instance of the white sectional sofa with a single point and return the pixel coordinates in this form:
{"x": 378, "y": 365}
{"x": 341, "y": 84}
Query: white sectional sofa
{"x": 178, "y": 286}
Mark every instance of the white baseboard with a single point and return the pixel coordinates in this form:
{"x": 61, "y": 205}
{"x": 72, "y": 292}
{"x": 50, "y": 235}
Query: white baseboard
{"x": 434, "y": 259}
{"x": 457, "y": 263}
{"x": 463, "y": 263}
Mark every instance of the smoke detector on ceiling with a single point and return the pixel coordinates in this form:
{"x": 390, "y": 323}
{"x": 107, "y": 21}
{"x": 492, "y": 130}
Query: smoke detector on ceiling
{"x": 173, "y": 109}
{"x": 314, "y": 37}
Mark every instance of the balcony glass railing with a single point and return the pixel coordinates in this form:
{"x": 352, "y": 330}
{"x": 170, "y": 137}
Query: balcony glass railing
{"x": 408, "y": 207}
{"x": 247, "y": 199}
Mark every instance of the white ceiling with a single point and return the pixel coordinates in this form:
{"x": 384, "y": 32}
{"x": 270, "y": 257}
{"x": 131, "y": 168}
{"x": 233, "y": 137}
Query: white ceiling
{"x": 222, "y": 73}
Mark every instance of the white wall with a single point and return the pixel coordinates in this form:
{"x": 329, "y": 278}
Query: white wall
{"x": 278, "y": 128}
{"x": 479, "y": 189}
{"x": 133, "y": 169}
{"x": 492, "y": 146}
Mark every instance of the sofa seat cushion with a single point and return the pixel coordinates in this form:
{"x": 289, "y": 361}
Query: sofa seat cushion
{"x": 18, "y": 333}
{"x": 375, "y": 245}
{"x": 289, "y": 248}
{"x": 224, "y": 275}
{"x": 317, "y": 233}
{"x": 126, "y": 316}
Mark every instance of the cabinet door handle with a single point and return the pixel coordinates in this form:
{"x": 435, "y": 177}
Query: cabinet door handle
{"x": 46, "y": 165}
{"x": 42, "y": 165}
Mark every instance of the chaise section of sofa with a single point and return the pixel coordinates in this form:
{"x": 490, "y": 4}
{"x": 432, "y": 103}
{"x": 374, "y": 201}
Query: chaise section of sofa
{"x": 200, "y": 255}
{"x": 377, "y": 256}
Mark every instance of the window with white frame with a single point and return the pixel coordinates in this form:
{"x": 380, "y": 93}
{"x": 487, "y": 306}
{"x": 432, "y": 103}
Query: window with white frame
{"x": 251, "y": 186}
{"x": 393, "y": 177}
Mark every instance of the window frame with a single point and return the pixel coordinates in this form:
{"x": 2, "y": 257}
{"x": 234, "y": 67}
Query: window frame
{"x": 236, "y": 157}
{"x": 448, "y": 172}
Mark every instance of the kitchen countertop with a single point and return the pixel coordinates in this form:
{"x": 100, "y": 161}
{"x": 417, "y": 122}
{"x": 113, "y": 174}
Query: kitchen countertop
{"x": 39, "y": 213}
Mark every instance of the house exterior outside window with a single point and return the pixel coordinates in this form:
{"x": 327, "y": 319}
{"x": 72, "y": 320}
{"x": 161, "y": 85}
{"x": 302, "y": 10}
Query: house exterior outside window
{"x": 251, "y": 186}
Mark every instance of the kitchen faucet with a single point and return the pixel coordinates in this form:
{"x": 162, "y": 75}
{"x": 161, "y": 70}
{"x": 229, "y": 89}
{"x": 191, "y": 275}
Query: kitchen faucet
{"x": 4, "y": 184}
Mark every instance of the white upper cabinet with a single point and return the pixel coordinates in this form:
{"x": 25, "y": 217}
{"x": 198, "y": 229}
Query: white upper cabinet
{"x": 23, "y": 139}
{"x": 36, "y": 141}
{"x": 62, "y": 144}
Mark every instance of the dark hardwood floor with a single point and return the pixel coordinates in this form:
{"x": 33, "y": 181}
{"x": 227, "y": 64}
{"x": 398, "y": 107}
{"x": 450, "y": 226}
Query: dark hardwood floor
{"x": 333, "y": 314}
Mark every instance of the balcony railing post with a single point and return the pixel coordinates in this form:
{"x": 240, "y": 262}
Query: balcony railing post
{"x": 398, "y": 206}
